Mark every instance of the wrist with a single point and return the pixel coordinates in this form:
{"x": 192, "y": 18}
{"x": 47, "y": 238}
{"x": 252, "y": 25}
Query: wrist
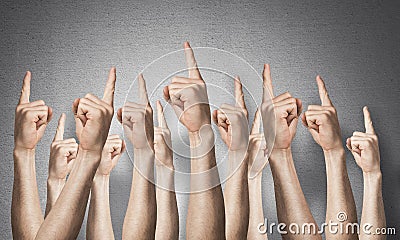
{"x": 281, "y": 153}
{"x": 205, "y": 133}
{"x": 335, "y": 156}
{"x": 23, "y": 152}
{"x": 373, "y": 175}
{"x": 160, "y": 163}
{"x": 101, "y": 178}
{"x": 334, "y": 151}
{"x": 53, "y": 182}
{"x": 89, "y": 155}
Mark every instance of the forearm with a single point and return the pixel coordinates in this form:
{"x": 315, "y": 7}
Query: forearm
{"x": 339, "y": 194}
{"x": 65, "y": 219}
{"x": 256, "y": 214}
{"x": 203, "y": 203}
{"x": 140, "y": 218}
{"x": 291, "y": 204}
{"x": 54, "y": 189}
{"x": 26, "y": 214}
{"x": 236, "y": 196}
{"x": 167, "y": 210}
{"x": 373, "y": 212}
{"x": 99, "y": 225}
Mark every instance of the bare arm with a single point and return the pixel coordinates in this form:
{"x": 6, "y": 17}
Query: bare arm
{"x": 25, "y": 196}
{"x": 189, "y": 99}
{"x": 232, "y": 123}
{"x": 137, "y": 120}
{"x": 207, "y": 204}
{"x": 167, "y": 210}
{"x": 323, "y": 124}
{"x": 31, "y": 119}
{"x": 93, "y": 118}
{"x": 99, "y": 225}
{"x": 365, "y": 149}
{"x": 291, "y": 204}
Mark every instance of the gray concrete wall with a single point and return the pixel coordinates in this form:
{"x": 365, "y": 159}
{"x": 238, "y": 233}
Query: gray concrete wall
{"x": 69, "y": 47}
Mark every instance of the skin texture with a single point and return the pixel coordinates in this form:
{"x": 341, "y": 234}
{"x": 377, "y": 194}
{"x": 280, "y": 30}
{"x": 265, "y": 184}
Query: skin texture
{"x": 31, "y": 119}
{"x": 93, "y": 118}
{"x": 167, "y": 209}
{"x": 256, "y": 151}
{"x": 291, "y": 204}
{"x": 232, "y": 122}
{"x": 323, "y": 124}
{"x": 99, "y": 225}
{"x": 365, "y": 149}
{"x": 137, "y": 121}
{"x": 62, "y": 157}
{"x": 188, "y": 97}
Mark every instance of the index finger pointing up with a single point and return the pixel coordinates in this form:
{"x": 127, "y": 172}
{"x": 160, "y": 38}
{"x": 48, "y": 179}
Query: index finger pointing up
{"x": 191, "y": 62}
{"x": 60, "y": 128}
{"x": 143, "y": 98}
{"x": 110, "y": 87}
{"x": 323, "y": 93}
{"x": 239, "y": 97}
{"x": 369, "y": 128}
{"x": 255, "y": 129}
{"x": 26, "y": 89}
{"x": 160, "y": 115}
{"x": 267, "y": 83}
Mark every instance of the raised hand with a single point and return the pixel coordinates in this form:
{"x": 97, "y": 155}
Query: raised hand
{"x": 233, "y": 125}
{"x": 322, "y": 121}
{"x": 137, "y": 119}
{"x": 112, "y": 151}
{"x": 62, "y": 153}
{"x": 232, "y": 121}
{"x": 323, "y": 124}
{"x": 257, "y": 146}
{"x": 162, "y": 140}
{"x": 31, "y": 118}
{"x": 365, "y": 147}
{"x": 188, "y": 96}
{"x": 99, "y": 224}
{"x": 286, "y": 110}
{"x": 280, "y": 117}
{"x": 93, "y": 116}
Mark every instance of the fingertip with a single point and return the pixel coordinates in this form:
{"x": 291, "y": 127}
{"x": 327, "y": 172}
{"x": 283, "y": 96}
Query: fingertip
{"x": 49, "y": 114}
{"x": 62, "y": 118}
{"x": 365, "y": 109}
{"x": 214, "y": 116}
{"x": 186, "y": 44}
{"x": 166, "y": 93}
{"x": 159, "y": 107}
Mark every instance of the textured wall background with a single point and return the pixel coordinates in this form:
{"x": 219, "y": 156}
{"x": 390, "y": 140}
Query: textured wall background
{"x": 69, "y": 47}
